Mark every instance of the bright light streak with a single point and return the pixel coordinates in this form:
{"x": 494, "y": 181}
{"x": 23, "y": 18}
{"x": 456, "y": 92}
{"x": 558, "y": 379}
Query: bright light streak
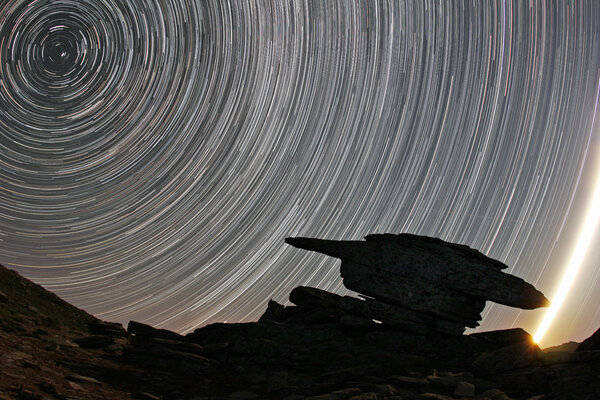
{"x": 592, "y": 218}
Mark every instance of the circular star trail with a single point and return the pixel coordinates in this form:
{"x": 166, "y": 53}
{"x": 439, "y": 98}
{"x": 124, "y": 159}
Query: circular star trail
{"x": 154, "y": 154}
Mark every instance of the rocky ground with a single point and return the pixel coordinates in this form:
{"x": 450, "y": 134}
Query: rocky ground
{"x": 51, "y": 350}
{"x": 325, "y": 346}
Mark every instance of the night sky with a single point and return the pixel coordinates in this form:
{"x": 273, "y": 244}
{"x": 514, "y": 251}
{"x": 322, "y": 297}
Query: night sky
{"x": 155, "y": 154}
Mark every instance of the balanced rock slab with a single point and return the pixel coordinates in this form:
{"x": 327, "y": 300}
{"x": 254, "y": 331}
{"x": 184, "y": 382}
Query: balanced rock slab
{"x": 425, "y": 274}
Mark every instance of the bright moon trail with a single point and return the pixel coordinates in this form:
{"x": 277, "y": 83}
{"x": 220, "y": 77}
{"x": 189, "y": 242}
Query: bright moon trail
{"x": 592, "y": 217}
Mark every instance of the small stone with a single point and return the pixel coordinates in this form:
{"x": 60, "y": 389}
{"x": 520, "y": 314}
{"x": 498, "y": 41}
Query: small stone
{"x": 444, "y": 383}
{"x": 386, "y": 390}
{"x": 347, "y": 392}
{"x": 48, "y": 387}
{"x": 465, "y": 389}
{"x": 28, "y": 395}
{"x": 435, "y": 396}
{"x": 493, "y": 394}
{"x": 410, "y": 382}
{"x": 82, "y": 379}
{"x": 30, "y": 364}
{"x": 244, "y": 394}
{"x": 294, "y": 397}
{"x": 365, "y": 396}
{"x": 76, "y": 386}
{"x": 144, "y": 396}
{"x": 451, "y": 374}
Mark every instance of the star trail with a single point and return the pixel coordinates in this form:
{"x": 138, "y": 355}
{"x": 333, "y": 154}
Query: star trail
{"x": 154, "y": 154}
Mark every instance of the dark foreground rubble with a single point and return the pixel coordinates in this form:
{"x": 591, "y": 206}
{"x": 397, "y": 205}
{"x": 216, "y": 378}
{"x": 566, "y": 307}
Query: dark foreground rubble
{"x": 324, "y": 346}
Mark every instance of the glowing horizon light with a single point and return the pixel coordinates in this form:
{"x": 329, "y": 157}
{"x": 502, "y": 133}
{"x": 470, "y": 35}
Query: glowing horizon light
{"x": 592, "y": 217}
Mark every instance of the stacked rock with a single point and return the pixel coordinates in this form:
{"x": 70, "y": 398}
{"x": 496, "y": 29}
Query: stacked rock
{"x": 417, "y": 281}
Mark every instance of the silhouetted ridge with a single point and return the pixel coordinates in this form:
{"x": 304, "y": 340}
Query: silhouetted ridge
{"x": 324, "y": 346}
{"x": 23, "y": 302}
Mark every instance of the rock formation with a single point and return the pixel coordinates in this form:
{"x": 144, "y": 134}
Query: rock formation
{"x": 427, "y": 282}
{"x": 324, "y": 347}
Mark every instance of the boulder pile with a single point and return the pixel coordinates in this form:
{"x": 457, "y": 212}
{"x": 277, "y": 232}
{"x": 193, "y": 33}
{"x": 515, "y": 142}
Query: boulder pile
{"x": 401, "y": 341}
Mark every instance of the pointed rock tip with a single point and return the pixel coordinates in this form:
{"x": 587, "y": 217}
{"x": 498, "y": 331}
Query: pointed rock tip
{"x": 291, "y": 240}
{"x": 307, "y": 243}
{"x": 333, "y": 248}
{"x": 299, "y": 242}
{"x": 545, "y": 302}
{"x": 532, "y": 299}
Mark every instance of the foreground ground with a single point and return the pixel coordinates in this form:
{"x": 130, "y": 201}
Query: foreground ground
{"x": 51, "y": 350}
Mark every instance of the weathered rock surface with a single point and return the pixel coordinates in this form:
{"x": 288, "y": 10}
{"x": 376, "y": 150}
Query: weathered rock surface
{"x": 371, "y": 311}
{"x": 427, "y": 275}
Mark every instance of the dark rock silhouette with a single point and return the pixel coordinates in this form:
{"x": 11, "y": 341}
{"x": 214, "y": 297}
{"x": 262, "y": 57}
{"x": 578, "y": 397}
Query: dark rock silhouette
{"x": 323, "y": 347}
{"x": 427, "y": 275}
{"x": 591, "y": 344}
{"x": 564, "y": 347}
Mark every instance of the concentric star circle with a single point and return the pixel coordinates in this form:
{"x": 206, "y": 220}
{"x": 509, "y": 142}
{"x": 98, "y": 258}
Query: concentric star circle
{"x": 154, "y": 154}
